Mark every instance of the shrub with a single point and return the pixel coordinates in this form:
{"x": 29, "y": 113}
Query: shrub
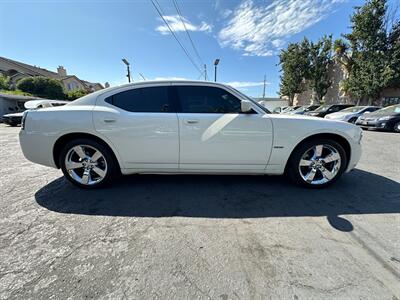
{"x": 72, "y": 95}
{"x": 4, "y": 82}
{"x": 15, "y": 92}
{"x": 42, "y": 87}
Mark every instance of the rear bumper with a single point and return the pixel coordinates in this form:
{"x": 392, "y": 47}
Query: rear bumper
{"x": 37, "y": 147}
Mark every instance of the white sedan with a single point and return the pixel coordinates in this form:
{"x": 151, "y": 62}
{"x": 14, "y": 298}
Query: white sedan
{"x": 185, "y": 127}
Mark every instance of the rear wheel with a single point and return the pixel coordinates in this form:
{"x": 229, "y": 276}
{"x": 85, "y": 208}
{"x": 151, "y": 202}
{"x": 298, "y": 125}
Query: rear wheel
{"x": 317, "y": 163}
{"x": 87, "y": 163}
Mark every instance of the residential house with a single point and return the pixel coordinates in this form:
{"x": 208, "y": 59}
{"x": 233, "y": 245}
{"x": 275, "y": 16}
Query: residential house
{"x": 17, "y": 70}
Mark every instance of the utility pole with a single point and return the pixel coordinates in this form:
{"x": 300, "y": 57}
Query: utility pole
{"x": 216, "y": 62}
{"x": 127, "y": 68}
{"x": 205, "y": 72}
{"x": 265, "y": 82}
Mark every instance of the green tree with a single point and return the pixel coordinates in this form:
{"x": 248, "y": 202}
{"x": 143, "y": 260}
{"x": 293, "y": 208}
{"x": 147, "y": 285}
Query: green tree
{"x": 4, "y": 82}
{"x": 393, "y": 55}
{"x": 72, "y": 95}
{"x": 368, "y": 46}
{"x": 42, "y": 87}
{"x": 320, "y": 58}
{"x": 294, "y": 66}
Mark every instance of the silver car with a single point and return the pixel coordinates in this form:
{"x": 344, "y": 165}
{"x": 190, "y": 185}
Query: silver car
{"x": 351, "y": 114}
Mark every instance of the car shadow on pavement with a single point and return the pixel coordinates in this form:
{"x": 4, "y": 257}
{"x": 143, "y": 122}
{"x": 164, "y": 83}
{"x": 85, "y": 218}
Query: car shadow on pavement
{"x": 206, "y": 196}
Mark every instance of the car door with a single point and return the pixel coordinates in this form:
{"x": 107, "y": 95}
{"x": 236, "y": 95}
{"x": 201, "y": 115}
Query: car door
{"x": 142, "y": 125}
{"x": 215, "y": 135}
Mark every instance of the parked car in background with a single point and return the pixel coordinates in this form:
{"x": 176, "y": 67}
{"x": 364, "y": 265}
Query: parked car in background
{"x": 16, "y": 118}
{"x": 387, "y": 118}
{"x": 323, "y": 110}
{"x": 303, "y": 109}
{"x": 279, "y": 109}
{"x": 290, "y": 109}
{"x": 185, "y": 127}
{"x": 351, "y": 114}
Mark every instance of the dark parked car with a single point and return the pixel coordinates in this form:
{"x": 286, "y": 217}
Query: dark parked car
{"x": 279, "y": 109}
{"x": 13, "y": 119}
{"x": 387, "y": 118}
{"x": 290, "y": 109}
{"x": 323, "y": 110}
{"x": 303, "y": 109}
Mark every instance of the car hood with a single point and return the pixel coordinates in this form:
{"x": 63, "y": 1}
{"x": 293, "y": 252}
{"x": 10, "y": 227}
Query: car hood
{"x": 303, "y": 117}
{"x": 338, "y": 115}
{"x": 379, "y": 115}
{"x": 291, "y": 125}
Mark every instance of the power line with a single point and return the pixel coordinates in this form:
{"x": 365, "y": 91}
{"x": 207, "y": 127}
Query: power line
{"x": 173, "y": 33}
{"x": 187, "y": 32}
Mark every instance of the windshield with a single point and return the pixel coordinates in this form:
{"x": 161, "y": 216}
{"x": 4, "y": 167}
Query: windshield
{"x": 323, "y": 108}
{"x": 353, "y": 109}
{"x": 394, "y": 109}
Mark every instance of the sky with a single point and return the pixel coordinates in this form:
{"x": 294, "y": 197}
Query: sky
{"x": 90, "y": 37}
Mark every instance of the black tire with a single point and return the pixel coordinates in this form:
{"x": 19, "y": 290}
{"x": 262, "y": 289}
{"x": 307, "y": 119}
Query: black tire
{"x": 396, "y": 127}
{"x": 110, "y": 162}
{"x": 293, "y": 170}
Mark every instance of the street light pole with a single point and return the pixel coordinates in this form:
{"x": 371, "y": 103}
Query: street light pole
{"x": 127, "y": 68}
{"x": 265, "y": 82}
{"x": 216, "y": 62}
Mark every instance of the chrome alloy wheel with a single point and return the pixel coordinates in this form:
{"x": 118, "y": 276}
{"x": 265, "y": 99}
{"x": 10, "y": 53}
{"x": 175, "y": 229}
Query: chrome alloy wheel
{"x": 86, "y": 164}
{"x": 320, "y": 164}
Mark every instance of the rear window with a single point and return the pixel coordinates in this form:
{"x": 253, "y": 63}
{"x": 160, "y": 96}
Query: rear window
{"x": 148, "y": 99}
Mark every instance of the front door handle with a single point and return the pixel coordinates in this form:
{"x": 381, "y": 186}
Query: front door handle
{"x": 109, "y": 120}
{"x": 190, "y": 122}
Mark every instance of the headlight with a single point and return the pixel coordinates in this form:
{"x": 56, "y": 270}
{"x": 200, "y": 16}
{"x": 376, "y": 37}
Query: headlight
{"x": 385, "y": 118}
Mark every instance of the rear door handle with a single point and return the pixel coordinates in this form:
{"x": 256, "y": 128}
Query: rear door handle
{"x": 109, "y": 120}
{"x": 191, "y": 122}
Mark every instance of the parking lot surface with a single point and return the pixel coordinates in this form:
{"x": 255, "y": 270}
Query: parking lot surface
{"x": 203, "y": 237}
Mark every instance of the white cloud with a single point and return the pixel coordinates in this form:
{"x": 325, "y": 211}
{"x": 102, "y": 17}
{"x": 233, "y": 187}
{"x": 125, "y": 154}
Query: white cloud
{"x": 245, "y": 84}
{"x": 261, "y": 30}
{"x": 176, "y": 25}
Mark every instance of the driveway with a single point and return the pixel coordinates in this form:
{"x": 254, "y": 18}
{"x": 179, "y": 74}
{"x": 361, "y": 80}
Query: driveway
{"x": 206, "y": 237}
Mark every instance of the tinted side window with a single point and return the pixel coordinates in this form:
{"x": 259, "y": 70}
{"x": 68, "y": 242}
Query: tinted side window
{"x": 149, "y": 99}
{"x": 201, "y": 99}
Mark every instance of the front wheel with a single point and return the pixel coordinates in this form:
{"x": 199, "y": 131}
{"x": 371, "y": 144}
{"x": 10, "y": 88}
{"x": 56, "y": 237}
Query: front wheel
{"x": 317, "y": 163}
{"x": 87, "y": 163}
{"x": 396, "y": 127}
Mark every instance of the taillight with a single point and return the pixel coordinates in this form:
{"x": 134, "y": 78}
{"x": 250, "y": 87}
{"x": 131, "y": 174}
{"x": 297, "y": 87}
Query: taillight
{"x": 23, "y": 120}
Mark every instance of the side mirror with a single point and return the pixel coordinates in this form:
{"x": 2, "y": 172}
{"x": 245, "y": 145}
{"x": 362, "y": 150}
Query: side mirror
{"x": 245, "y": 106}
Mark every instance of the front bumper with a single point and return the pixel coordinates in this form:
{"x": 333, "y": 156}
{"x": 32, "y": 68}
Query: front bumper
{"x": 355, "y": 156}
{"x": 373, "y": 124}
{"x": 12, "y": 120}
